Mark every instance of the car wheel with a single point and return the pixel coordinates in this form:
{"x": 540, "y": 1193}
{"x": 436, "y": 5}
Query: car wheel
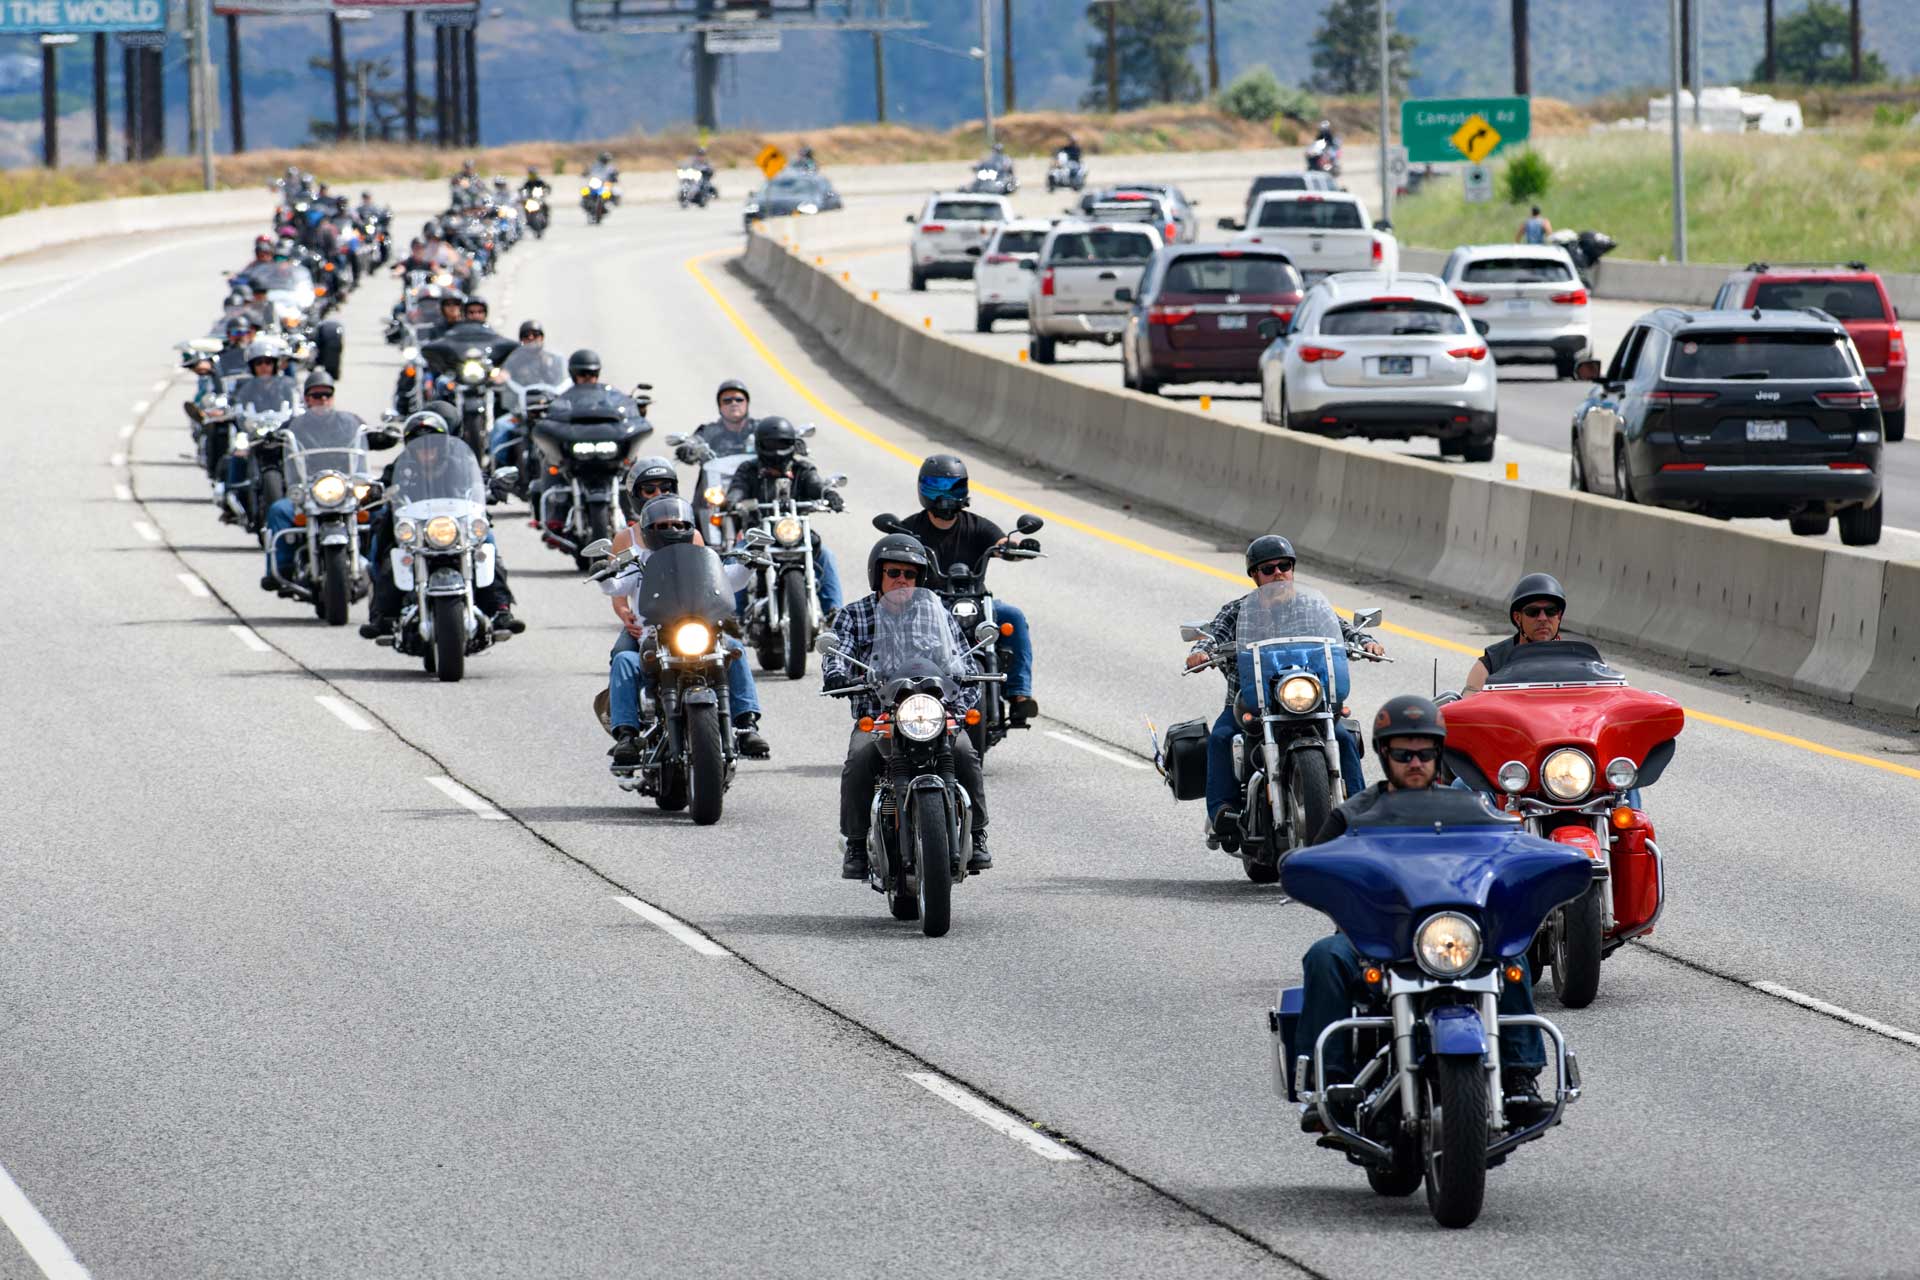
{"x": 1286, "y": 410}
{"x": 982, "y": 320}
{"x": 1146, "y": 385}
{"x": 1455, "y": 447}
{"x": 916, "y": 281}
{"x": 1563, "y": 367}
{"x": 1622, "y": 478}
{"x": 1041, "y": 348}
{"x": 1860, "y": 526}
{"x": 1893, "y": 424}
{"x": 1126, "y": 371}
{"x": 1810, "y": 524}
{"x": 1478, "y": 450}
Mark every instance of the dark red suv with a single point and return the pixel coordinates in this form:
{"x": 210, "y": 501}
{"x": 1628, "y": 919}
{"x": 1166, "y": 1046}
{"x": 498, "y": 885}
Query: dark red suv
{"x": 1198, "y": 312}
{"x": 1850, "y": 294}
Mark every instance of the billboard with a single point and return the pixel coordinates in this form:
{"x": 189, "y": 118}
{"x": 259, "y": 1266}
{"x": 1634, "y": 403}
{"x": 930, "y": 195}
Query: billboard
{"x": 81, "y": 17}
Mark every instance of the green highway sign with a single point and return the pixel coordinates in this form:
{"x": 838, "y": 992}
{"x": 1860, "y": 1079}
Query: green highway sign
{"x": 1435, "y": 130}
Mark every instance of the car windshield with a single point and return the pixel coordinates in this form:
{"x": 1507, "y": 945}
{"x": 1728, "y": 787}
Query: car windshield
{"x": 966, "y": 211}
{"x": 1127, "y": 211}
{"x": 1286, "y": 610}
{"x": 1391, "y": 319}
{"x": 435, "y": 468}
{"x": 1019, "y": 242}
{"x": 1220, "y": 274}
{"x": 1517, "y": 271}
{"x": 1759, "y": 356}
{"x": 794, "y": 185}
{"x": 1279, "y": 182}
{"x": 1101, "y": 246}
{"x": 913, "y": 636}
{"x": 1841, "y": 299}
{"x": 1322, "y": 215}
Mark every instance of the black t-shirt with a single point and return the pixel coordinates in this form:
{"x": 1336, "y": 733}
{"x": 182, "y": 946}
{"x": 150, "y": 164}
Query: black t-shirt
{"x": 1497, "y": 656}
{"x": 964, "y": 544}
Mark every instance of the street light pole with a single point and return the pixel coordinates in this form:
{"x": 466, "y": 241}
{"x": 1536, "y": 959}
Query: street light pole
{"x": 1386, "y": 179}
{"x": 208, "y": 88}
{"x": 1677, "y": 34}
{"x": 986, "y": 67}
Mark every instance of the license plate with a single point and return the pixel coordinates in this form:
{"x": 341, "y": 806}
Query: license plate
{"x": 1519, "y": 305}
{"x": 1396, "y": 365}
{"x": 1766, "y": 429}
{"x": 1233, "y": 322}
{"x": 1109, "y": 322}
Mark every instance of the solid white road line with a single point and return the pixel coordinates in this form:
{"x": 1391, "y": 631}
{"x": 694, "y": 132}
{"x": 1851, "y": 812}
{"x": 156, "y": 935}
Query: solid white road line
{"x": 116, "y": 459}
{"x": 250, "y": 638}
{"x": 195, "y": 587}
{"x": 146, "y": 530}
{"x": 42, "y": 1243}
{"x": 991, "y": 1116}
{"x": 140, "y": 407}
{"x": 75, "y": 282}
{"x": 160, "y": 386}
{"x": 674, "y": 927}
{"x": 126, "y": 432}
{"x": 121, "y": 493}
{"x": 465, "y": 798}
{"x": 1102, "y": 752}
{"x": 344, "y": 713}
{"x": 1847, "y": 1016}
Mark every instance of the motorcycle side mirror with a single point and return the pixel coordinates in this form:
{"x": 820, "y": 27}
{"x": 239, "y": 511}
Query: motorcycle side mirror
{"x": 506, "y": 475}
{"x": 808, "y": 431}
{"x": 1364, "y": 618}
{"x": 986, "y": 631}
{"x": 826, "y": 644}
{"x": 1029, "y": 524}
{"x": 836, "y": 481}
{"x": 887, "y": 522}
{"x": 1029, "y": 264}
{"x": 676, "y": 439}
{"x": 1270, "y": 328}
{"x": 1228, "y": 224}
{"x": 597, "y": 549}
{"x": 756, "y": 538}
{"x": 1482, "y": 328}
{"x": 1192, "y": 631}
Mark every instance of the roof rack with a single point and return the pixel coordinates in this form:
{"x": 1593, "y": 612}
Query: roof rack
{"x": 1769, "y": 266}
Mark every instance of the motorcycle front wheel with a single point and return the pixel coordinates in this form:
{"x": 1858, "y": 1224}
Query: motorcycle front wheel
{"x": 932, "y": 864}
{"x": 1456, "y": 1140}
{"x": 336, "y": 590}
{"x": 706, "y": 766}
{"x": 449, "y": 638}
{"x": 793, "y": 599}
{"x": 1576, "y": 950}
{"x": 1310, "y": 794}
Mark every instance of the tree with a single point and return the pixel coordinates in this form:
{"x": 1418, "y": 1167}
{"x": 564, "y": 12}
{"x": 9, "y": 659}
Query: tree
{"x": 1346, "y": 50}
{"x": 386, "y": 108}
{"x": 1155, "y": 40}
{"x": 1811, "y": 47}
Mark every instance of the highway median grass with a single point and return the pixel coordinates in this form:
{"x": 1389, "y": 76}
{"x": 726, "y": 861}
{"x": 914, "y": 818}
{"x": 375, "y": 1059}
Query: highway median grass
{"x": 1840, "y": 195}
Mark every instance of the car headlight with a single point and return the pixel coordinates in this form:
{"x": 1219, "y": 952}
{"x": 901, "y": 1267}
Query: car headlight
{"x": 690, "y": 639}
{"x": 1567, "y": 774}
{"x": 1622, "y": 773}
{"x": 478, "y": 528}
{"x": 329, "y": 489}
{"x": 1299, "y": 694}
{"x": 443, "y": 531}
{"x": 1513, "y": 777}
{"x": 808, "y": 207}
{"x": 1447, "y": 944}
{"x": 472, "y": 371}
{"x": 405, "y": 531}
{"x": 714, "y": 495}
{"x": 786, "y": 530}
{"x": 920, "y": 717}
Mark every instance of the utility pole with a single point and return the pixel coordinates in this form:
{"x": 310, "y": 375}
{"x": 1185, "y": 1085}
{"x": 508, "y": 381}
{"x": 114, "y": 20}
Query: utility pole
{"x": 1213, "y": 55}
{"x": 439, "y": 86}
{"x": 50, "y": 102}
{"x": 986, "y": 68}
{"x": 410, "y": 82}
{"x": 207, "y": 89}
{"x": 234, "y": 96}
{"x": 1006, "y": 65}
{"x": 360, "y": 73}
{"x": 1113, "y": 56}
{"x": 1386, "y": 79}
{"x": 99, "y": 97}
{"x": 455, "y": 95}
{"x": 1676, "y": 40}
{"x": 1686, "y": 46}
{"x": 1853, "y": 37}
{"x": 339, "y": 79}
{"x": 879, "y": 78}
{"x": 471, "y": 41}
{"x": 1522, "y": 52}
{"x": 1693, "y": 46}
{"x": 130, "y": 100}
{"x": 706, "y": 113}
{"x": 153, "y": 104}
{"x": 1767, "y": 60}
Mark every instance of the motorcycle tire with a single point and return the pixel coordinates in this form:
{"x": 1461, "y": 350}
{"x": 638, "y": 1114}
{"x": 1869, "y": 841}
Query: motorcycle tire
{"x": 706, "y": 766}
{"x": 770, "y": 653}
{"x": 1259, "y": 869}
{"x": 932, "y": 864}
{"x": 449, "y": 649}
{"x": 1406, "y": 1174}
{"x": 599, "y": 522}
{"x": 793, "y": 592}
{"x": 900, "y": 904}
{"x": 1310, "y": 791}
{"x": 330, "y": 344}
{"x": 1576, "y": 950}
{"x": 1456, "y": 1141}
{"x": 981, "y": 735}
{"x": 672, "y": 797}
{"x": 336, "y": 586}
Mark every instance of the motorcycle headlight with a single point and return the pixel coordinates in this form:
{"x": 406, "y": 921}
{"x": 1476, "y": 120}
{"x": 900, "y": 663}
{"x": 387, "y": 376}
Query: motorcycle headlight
{"x": 808, "y": 207}
{"x": 1298, "y": 694}
{"x": 964, "y": 609}
{"x": 498, "y": 375}
{"x": 1567, "y": 774}
{"x": 1447, "y": 944}
{"x": 920, "y": 717}
{"x": 478, "y": 528}
{"x": 361, "y": 488}
{"x": 690, "y": 639}
{"x": 593, "y": 448}
{"x": 586, "y": 191}
{"x": 1622, "y": 773}
{"x": 472, "y": 371}
{"x": 240, "y": 445}
{"x": 1513, "y": 777}
{"x": 443, "y": 531}
{"x": 786, "y": 530}
{"x": 329, "y": 489}
{"x": 405, "y": 531}
{"x": 714, "y": 495}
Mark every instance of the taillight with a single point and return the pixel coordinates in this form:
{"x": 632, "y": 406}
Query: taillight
{"x": 1472, "y": 299}
{"x": 1468, "y": 353}
{"x": 933, "y": 226}
{"x": 1379, "y": 249}
{"x": 1664, "y": 398}
{"x": 1168, "y": 315}
{"x": 996, "y": 259}
{"x": 1285, "y": 314}
{"x": 1046, "y": 283}
{"x": 1171, "y": 229}
{"x": 1577, "y": 298}
{"x": 1683, "y": 466}
{"x": 1896, "y": 350}
{"x": 1847, "y": 399}
{"x": 1314, "y": 355}
{"x": 1849, "y": 466}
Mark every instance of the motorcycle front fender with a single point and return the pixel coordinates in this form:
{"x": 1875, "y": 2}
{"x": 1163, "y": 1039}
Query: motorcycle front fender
{"x": 401, "y": 563}
{"x": 446, "y": 582}
{"x": 483, "y": 564}
{"x": 1456, "y": 1031}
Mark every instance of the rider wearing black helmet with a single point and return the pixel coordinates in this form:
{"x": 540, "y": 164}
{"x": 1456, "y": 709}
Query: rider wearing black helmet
{"x": 954, "y": 535}
{"x": 896, "y": 566}
{"x": 1270, "y": 561}
{"x": 776, "y": 446}
{"x": 732, "y": 431}
{"x": 1535, "y": 607}
{"x": 650, "y": 478}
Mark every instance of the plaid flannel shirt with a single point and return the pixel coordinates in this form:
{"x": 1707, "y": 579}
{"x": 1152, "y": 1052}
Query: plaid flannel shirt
{"x": 1224, "y": 633}
{"x": 855, "y": 627}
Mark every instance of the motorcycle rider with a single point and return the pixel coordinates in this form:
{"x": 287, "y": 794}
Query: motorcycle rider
{"x": 732, "y": 431}
{"x": 475, "y": 310}
{"x": 1408, "y": 736}
{"x": 667, "y": 521}
{"x": 896, "y": 565}
{"x": 534, "y": 186}
{"x": 418, "y": 258}
{"x": 1001, "y": 163}
{"x": 776, "y": 446}
{"x": 1071, "y": 149}
{"x": 804, "y": 161}
{"x": 954, "y": 535}
{"x": 1535, "y": 608}
{"x": 508, "y": 430}
{"x": 452, "y": 314}
{"x": 318, "y": 398}
{"x": 1269, "y": 559}
{"x": 1326, "y": 134}
{"x": 700, "y": 160}
{"x": 652, "y": 477}
{"x": 603, "y": 168}
{"x": 266, "y": 383}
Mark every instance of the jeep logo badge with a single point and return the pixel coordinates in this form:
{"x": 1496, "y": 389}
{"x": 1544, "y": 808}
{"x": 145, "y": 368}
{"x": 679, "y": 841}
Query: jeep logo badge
{"x": 1766, "y": 395}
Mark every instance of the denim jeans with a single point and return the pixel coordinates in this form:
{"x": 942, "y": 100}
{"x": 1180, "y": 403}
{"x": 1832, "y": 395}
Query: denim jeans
{"x": 283, "y": 550}
{"x": 1329, "y": 970}
{"x": 826, "y": 582}
{"x": 624, "y": 677}
{"x": 507, "y": 432}
{"x": 1020, "y": 668}
{"x": 1223, "y": 791}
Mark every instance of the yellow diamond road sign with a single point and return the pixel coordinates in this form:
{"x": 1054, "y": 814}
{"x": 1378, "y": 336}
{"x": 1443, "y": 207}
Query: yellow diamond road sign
{"x": 1475, "y": 139}
{"x": 771, "y": 160}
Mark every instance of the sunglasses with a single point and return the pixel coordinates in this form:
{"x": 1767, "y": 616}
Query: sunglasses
{"x": 1421, "y": 755}
{"x": 896, "y": 574}
{"x": 651, "y": 488}
{"x": 733, "y": 399}
{"x": 1272, "y": 567}
{"x": 674, "y": 526}
{"x": 320, "y": 393}
{"x": 1541, "y": 611}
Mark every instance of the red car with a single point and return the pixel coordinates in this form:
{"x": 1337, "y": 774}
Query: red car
{"x": 1850, "y": 294}
{"x": 1198, "y": 312}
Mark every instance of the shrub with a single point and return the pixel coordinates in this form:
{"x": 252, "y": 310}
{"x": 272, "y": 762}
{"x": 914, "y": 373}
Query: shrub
{"x": 1257, "y": 95}
{"x": 1526, "y": 177}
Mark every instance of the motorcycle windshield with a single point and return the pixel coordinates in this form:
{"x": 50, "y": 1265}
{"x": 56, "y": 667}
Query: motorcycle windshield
{"x": 1285, "y": 627}
{"x": 438, "y": 468}
{"x": 535, "y": 367}
{"x": 913, "y": 637}
{"x": 282, "y": 277}
{"x": 1417, "y": 852}
{"x": 262, "y": 397}
{"x": 684, "y": 582}
{"x": 466, "y": 342}
{"x": 1555, "y": 662}
{"x": 333, "y": 440}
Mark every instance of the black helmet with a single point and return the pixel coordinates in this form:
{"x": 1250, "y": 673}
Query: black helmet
{"x": 319, "y": 378}
{"x": 237, "y": 325}
{"x": 451, "y": 298}
{"x": 584, "y": 361}
{"x": 1268, "y": 546}
{"x": 666, "y": 522}
{"x": 1536, "y": 586}
{"x": 424, "y": 423}
{"x": 1407, "y": 716}
{"x": 732, "y": 384}
{"x": 653, "y": 470}
{"x": 475, "y": 300}
{"x": 943, "y": 485}
{"x": 531, "y": 329}
{"x": 896, "y": 548}
{"x": 449, "y": 413}
{"x": 431, "y": 229}
{"x": 606, "y": 157}
{"x": 775, "y": 440}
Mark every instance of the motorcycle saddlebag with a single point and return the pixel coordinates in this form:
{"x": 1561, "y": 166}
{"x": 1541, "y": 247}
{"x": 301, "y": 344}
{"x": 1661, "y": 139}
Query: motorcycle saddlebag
{"x": 1636, "y": 878}
{"x": 1185, "y": 754}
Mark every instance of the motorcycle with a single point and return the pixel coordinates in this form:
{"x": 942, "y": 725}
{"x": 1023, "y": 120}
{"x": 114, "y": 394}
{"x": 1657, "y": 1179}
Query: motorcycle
{"x": 988, "y": 180}
{"x": 922, "y": 818}
{"x": 258, "y": 411}
{"x": 472, "y": 377}
{"x": 534, "y": 206}
{"x": 715, "y": 476}
{"x": 687, "y": 750}
{"x": 1585, "y": 248}
{"x": 1440, "y": 897}
{"x": 581, "y": 449}
{"x": 783, "y": 605}
{"x": 596, "y": 198}
{"x": 440, "y": 554}
{"x": 1294, "y": 678}
{"x": 534, "y": 376}
{"x": 1534, "y": 739}
{"x": 297, "y": 306}
{"x": 1324, "y": 157}
{"x": 1066, "y": 172}
{"x": 330, "y": 483}
{"x": 696, "y": 188}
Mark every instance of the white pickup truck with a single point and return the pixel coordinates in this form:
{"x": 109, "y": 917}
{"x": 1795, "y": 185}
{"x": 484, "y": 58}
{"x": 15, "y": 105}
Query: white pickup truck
{"x": 1078, "y": 274}
{"x": 1321, "y": 232}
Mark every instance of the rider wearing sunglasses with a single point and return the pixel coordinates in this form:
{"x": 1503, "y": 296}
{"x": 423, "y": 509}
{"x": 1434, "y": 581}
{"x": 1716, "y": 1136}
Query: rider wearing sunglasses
{"x": 1536, "y": 606}
{"x": 732, "y": 431}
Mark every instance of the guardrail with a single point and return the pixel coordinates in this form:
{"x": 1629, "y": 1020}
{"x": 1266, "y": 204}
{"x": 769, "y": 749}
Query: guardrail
{"x": 1821, "y": 620}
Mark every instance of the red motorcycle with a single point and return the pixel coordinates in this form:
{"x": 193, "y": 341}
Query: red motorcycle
{"x": 1536, "y": 738}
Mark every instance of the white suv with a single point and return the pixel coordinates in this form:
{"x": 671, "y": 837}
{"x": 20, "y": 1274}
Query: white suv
{"x": 1531, "y": 298}
{"x": 949, "y": 234}
{"x": 999, "y": 282}
{"x": 1385, "y": 357}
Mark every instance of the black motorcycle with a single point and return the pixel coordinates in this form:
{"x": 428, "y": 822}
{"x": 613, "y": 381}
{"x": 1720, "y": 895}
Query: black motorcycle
{"x": 534, "y": 204}
{"x": 783, "y": 613}
{"x": 1585, "y": 248}
{"x": 470, "y": 377}
{"x": 581, "y": 448}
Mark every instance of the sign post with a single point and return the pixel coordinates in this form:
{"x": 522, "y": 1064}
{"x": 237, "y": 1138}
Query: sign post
{"x": 1439, "y": 130}
{"x": 1479, "y": 180}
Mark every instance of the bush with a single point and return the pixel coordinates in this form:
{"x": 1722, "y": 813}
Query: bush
{"x": 1257, "y": 95}
{"x": 1526, "y": 177}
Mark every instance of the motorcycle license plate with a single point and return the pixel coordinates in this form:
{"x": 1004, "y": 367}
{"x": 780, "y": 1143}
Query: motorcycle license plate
{"x": 1396, "y": 366}
{"x": 1762, "y": 429}
{"x": 1233, "y": 322}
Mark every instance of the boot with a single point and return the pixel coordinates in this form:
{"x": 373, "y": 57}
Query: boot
{"x": 746, "y": 737}
{"x": 853, "y": 866}
{"x": 505, "y": 622}
{"x": 981, "y": 859}
{"x": 375, "y": 627}
{"x": 1525, "y": 1106}
{"x": 1022, "y": 707}
{"x": 626, "y": 746}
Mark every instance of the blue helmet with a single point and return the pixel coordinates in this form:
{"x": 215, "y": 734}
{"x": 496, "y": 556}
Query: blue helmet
{"x": 943, "y": 485}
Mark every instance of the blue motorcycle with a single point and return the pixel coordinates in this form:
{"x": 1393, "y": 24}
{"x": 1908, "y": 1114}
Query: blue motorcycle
{"x": 1440, "y": 897}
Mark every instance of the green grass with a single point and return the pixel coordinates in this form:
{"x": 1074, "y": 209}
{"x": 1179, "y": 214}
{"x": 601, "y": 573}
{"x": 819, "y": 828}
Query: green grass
{"x": 1845, "y": 194}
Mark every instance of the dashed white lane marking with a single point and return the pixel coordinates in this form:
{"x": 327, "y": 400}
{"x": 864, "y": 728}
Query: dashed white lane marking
{"x": 466, "y": 799}
{"x": 146, "y": 530}
{"x": 121, "y": 493}
{"x": 42, "y": 1243}
{"x": 159, "y": 386}
{"x": 674, "y": 927}
{"x": 195, "y": 587}
{"x": 250, "y": 638}
{"x": 344, "y": 713}
{"x": 116, "y": 459}
{"x": 991, "y": 1116}
{"x": 1847, "y": 1016}
{"x": 126, "y": 432}
{"x": 1102, "y": 752}
{"x": 140, "y": 407}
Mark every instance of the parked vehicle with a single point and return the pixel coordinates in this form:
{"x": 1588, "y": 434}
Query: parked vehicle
{"x": 1320, "y": 232}
{"x": 999, "y": 281}
{"x": 1736, "y": 413}
{"x": 1077, "y": 279}
{"x": 1196, "y": 315}
{"x": 1531, "y": 299}
{"x": 949, "y": 235}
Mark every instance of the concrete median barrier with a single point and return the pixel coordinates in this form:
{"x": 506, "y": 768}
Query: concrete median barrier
{"x": 1892, "y": 680}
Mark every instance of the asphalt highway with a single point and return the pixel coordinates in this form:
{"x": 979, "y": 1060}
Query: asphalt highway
{"x": 321, "y": 967}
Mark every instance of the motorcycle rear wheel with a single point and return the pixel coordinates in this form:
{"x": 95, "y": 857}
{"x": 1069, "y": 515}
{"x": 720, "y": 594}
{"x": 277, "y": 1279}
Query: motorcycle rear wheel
{"x": 1456, "y": 1141}
{"x": 706, "y": 766}
{"x": 932, "y": 864}
{"x": 336, "y": 588}
{"x": 1576, "y": 950}
{"x": 449, "y": 638}
{"x": 793, "y": 593}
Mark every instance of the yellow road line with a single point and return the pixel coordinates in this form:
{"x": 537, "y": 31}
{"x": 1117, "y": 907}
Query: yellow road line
{"x": 1167, "y": 557}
